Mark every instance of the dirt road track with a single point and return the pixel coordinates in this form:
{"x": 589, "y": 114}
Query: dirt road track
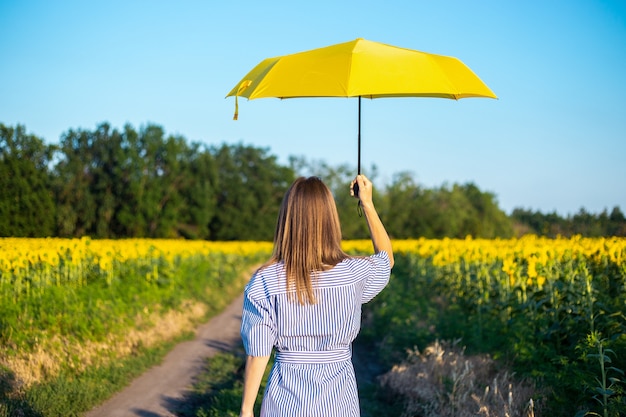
{"x": 156, "y": 393}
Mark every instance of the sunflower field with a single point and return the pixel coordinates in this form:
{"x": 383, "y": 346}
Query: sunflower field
{"x": 79, "y": 318}
{"x": 552, "y": 309}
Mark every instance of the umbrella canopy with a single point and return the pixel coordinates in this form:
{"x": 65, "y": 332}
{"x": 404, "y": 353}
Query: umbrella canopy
{"x": 360, "y": 68}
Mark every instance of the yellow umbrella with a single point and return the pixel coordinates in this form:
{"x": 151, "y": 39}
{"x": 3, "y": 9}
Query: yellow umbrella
{"x": 360, "y": 68}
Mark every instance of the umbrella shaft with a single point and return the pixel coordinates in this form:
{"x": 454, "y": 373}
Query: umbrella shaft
{"x": 359, "y": 140}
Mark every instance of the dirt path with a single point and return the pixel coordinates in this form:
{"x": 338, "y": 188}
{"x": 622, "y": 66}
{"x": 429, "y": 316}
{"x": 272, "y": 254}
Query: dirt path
{"x": 156, "y": 392}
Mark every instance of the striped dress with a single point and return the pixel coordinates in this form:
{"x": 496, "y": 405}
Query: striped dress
{"x": 312, "y": 373}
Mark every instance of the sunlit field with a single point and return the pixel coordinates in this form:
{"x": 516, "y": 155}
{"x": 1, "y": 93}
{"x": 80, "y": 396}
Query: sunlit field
{"x": 80, "y": 318}
{"x": 29, "y": 266}
{"x": 551, "y": 309}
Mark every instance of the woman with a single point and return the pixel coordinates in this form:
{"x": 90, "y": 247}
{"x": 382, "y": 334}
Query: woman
{"x": 306, "y": 303}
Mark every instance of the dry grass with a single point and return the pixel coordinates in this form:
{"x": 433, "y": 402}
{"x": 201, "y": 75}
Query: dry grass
{"x": 50, "y": 355}
{"x": 442, "y": 381}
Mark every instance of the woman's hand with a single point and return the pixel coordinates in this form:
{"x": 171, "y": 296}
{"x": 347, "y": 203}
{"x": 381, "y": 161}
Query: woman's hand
{"x": 364, "y": 189}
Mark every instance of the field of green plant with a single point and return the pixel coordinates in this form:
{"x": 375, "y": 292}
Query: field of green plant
{"x": 553, "y": 310}
{"x": 519, "y": 327}
{"x": 524, "y": 327}
{"x": 80, "y": 318}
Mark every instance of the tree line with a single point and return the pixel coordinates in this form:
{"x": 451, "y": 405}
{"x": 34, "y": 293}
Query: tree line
{"x": 120, "y": 183}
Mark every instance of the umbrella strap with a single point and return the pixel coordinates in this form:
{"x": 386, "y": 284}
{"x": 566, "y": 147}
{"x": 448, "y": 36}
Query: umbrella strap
{"x": 244, "y": 84}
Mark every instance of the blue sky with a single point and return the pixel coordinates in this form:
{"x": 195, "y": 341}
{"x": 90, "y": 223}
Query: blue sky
{"x": 555, "y": 140}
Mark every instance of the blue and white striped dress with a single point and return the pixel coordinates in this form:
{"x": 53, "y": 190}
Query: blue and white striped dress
{"x": 313, "y": 373}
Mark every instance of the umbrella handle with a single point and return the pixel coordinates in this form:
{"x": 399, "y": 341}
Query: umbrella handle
{"x": 355, "y": 189}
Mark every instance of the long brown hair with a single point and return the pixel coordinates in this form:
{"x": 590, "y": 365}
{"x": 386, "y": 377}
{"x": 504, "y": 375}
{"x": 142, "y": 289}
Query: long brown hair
{"x": 308, "y": 236}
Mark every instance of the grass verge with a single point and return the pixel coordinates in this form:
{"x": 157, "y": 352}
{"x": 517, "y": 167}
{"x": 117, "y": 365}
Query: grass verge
{"x": 69, "y": 395}
{"x": 75, "y": 372}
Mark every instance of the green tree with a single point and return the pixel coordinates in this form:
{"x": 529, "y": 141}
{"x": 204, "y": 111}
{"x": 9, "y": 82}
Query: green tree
{"x": 250, "y": 187}
{"x": 586, "y": 224}
{"x": 454, "y": 213}
{"x": 199, "y": 194}
{"x": 134, "y": 184}
{"x": 409, "y": 208}
{"x": 107, "y": 165}
{"x": 582, "y": 223}
{"x": 76, "y": 205}
{"x": 88, "y": 174}
{"x": 617, "y": 223}
{"x": 182, "y": 189}
{"x": 166, "y": 175}
{"x": 26, "y": 202}
{"x": 487, "y": 220}
{"x": 110, "y": 183}
{"x": 130, "y": 216}
{"x": 457, "y": 211}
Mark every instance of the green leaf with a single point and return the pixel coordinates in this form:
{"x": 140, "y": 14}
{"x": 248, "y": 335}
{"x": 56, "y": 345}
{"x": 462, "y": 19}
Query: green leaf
{"x": 607, "y": 392}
